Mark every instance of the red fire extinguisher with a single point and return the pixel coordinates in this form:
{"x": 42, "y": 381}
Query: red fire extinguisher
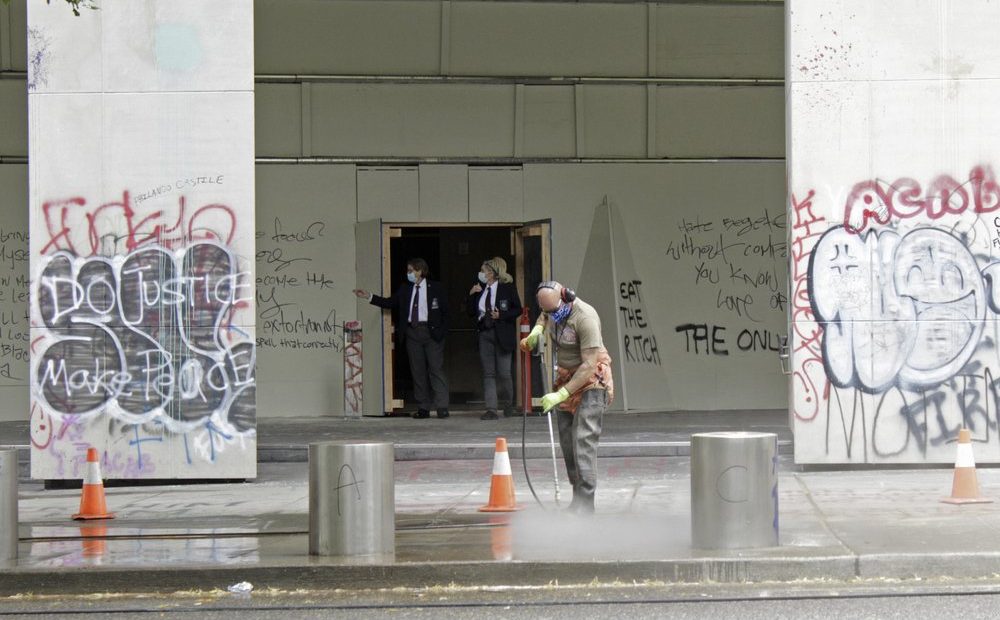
{"x": 525, "y": 329}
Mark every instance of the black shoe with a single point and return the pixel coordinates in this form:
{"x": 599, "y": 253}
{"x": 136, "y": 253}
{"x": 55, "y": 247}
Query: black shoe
{"x": 421, "y": 414}
{"x": 508, "y": 412}
{"x": 489, "y": 415}
{"x": 443, "y": 413}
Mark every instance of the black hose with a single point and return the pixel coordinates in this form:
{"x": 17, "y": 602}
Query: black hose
{"x": 524, "y": 457}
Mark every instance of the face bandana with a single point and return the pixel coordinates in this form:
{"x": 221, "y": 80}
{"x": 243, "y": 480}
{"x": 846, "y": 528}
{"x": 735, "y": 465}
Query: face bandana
{"x": 559, "y": 314}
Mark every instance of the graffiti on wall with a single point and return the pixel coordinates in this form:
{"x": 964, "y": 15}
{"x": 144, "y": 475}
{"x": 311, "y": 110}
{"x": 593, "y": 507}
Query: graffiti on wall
{"x": 808, "y": 378}
{"x": 740, "y": 261}
{"x": 638, "y": 340}
{"x": 72, "y": 224}
{"x": 895, "y": 318}
{"x": 146, "y": 337}
{"x": 353, "y": 370}
{"x": 139, "y": 329}
{"x": 294, "y": 294}
{"x": 13, "y": 306}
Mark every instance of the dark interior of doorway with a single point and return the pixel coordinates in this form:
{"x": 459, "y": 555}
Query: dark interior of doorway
{"x": 454, "y": 255}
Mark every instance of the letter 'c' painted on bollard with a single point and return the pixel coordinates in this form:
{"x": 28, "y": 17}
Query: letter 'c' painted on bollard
{"x": 731, "y": 485}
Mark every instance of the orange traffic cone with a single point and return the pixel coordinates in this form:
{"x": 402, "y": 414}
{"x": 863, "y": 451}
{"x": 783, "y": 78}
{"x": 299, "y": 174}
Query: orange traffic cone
{"x": 502, "y": 483}
{"x": 965, "y": 486}
{"x": 92, "y": 505}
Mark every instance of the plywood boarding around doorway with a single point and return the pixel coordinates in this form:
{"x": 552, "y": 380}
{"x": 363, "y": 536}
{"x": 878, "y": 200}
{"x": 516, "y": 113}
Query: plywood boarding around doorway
{"x": 305, "y": 249}
{"x": 14, "y": 295}
{"x": 652, "y": 200}
{"x": 656, "y": 202}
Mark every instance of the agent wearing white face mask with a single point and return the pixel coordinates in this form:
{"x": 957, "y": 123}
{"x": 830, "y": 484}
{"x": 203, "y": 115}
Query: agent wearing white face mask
{"x": 495, "y": 305}
{"x": 421, "y": 307}
{"x": 584, "y": 387}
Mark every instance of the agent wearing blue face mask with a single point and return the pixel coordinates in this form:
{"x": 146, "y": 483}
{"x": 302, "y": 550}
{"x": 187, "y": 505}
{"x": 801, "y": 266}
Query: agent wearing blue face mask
{"x": 495, "y": 305}
{"x": 584, "y": 387}
{"x": 421, "y": 307}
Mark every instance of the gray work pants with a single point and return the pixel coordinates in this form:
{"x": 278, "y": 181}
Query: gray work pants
{"x": 427, "y": 361}
{"x": 496, "y": 368}
{"x": 579, "y": 434}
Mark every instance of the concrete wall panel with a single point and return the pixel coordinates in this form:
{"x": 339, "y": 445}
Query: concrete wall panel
{"x": 278, "y": 109}
{"x": 614, "y": 121}
{"x": 496, "y": 194}
{"x": 390, "y": 193}
{"x": 549, "y": 123}
{"x": 417, "y": 120}
{"x": 14, "y": 103}
{"x": 354, "y": 37}
{"x": 743, "y": 121}
{"x": 705, "y": 40}
{"x": 444, "y": 193}
{"x": 528, "y": 38}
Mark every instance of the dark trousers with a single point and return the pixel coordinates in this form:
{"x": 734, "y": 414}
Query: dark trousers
{"x": 579, "y": 434}
{"x": 427, "y": 362}
{"x": 496, "y": 370}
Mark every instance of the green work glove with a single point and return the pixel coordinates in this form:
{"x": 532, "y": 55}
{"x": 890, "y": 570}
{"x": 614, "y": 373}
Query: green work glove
{"x": 550, "y": 400}
{"x": 528, "y": 342}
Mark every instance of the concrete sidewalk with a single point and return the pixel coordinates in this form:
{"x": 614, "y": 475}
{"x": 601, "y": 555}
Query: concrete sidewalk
{"x": 465, "y": 436}
{"x": 840, "y": 526}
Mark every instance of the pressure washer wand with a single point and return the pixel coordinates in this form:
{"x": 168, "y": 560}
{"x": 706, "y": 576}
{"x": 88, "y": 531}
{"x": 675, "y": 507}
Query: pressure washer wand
{"x": 526, "y": 329}
{"x": 524, "y": 457}
{"x": 552, "y": 442}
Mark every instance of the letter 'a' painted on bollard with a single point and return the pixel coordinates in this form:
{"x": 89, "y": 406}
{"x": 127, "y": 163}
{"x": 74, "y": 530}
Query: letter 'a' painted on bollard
{"x": 352, "y": 499}
{"x": 92, "y": 503}
{"x": 965, "y": 483}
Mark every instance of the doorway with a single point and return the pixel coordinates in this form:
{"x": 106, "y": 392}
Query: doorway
{"x": 454, "y": 253}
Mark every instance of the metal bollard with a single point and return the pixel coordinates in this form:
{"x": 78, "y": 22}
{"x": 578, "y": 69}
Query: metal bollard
{"x": 8, "y": 504}
{"x": 734, "y": 490}
{"x": 352, "y": 499}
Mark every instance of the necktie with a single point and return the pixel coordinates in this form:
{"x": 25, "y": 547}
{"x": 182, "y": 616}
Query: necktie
{"x": 415, "y": 307}
{"x": 487, "y": 305}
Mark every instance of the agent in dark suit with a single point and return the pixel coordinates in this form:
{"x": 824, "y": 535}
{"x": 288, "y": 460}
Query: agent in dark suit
{"x": 422, "y": 323}
{"x": 495, "y": 305}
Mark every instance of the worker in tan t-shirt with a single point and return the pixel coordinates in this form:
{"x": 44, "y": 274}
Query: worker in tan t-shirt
{"x": 584, "y": 387}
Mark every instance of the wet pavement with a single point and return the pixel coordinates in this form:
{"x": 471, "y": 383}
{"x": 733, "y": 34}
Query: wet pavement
{"x": 834, "y": 525}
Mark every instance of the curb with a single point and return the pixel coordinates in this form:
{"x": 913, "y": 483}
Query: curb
{"x": 322, "y": 574}
{"x": 319, "y": 573}
{"x": 92, "y": 580}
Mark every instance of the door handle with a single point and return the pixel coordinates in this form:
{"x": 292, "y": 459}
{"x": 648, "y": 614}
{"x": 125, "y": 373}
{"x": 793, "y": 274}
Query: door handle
{"x": 784, "y": 356}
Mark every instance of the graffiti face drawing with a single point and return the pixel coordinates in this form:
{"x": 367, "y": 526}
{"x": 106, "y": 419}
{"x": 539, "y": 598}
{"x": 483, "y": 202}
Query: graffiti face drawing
{"x": 904, "y": 311}
{"x": 939, "y": 276}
